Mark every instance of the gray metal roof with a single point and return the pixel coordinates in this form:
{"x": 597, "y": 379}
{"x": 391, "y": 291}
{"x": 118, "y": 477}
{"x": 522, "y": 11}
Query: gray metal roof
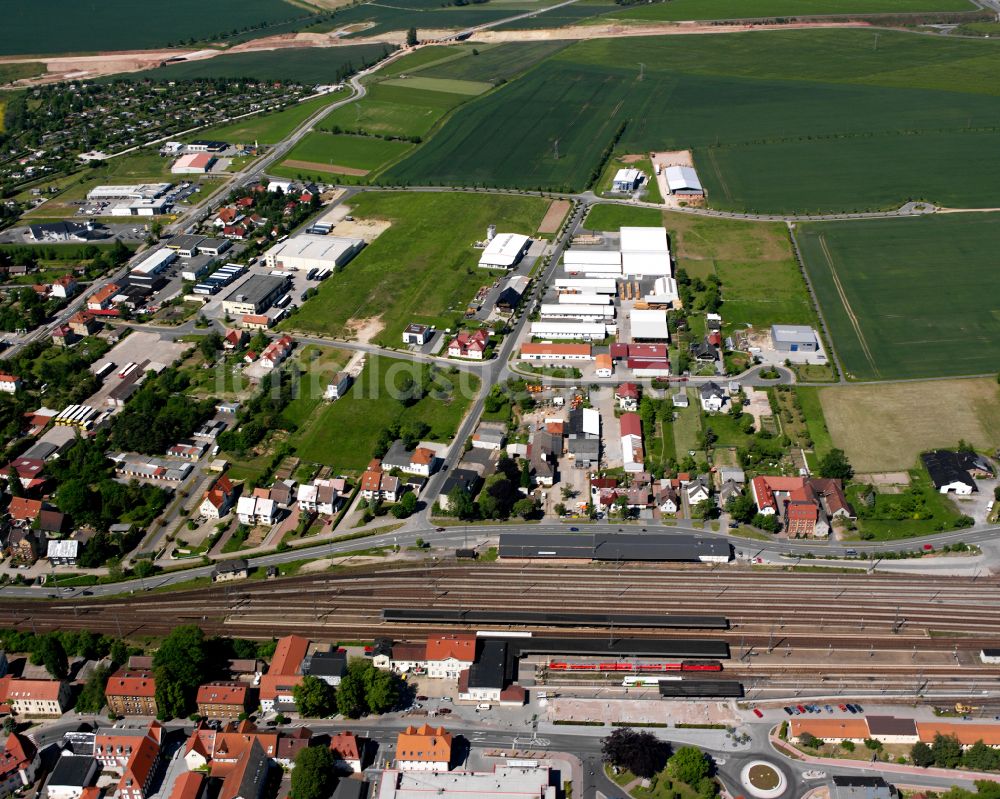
{"x": 256, "y": 289}
{"x": 604, "y": 546}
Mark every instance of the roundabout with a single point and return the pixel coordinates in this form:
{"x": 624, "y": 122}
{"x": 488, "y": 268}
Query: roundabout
{"x": 763, "y": 780}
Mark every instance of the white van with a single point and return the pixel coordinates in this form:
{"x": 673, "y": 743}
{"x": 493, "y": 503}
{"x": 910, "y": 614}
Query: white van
{"x": 484, "y": 706}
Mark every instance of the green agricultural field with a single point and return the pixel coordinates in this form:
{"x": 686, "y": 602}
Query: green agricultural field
{"x": 609, "y": 217}
{"x": 676, "y": 10}
{"x": 909, "y": 297}
{"x": 343, "y": 434}
{"x": 341, "y": 150}
{"x": 393, "y": 111}
{"x": 419, "y": 60}
{"x": 848, "y": 121}
{"x": 64, "y": 26}
{"x": 492, "y": 63}
{"x": 561, "y": 17}
{"x": 309, "y": 66}
{"x": 447, "y": 85}
{"x": 422, "y": 269}
{"x": 268, "y": 128}
{"x": 404, "y": 14}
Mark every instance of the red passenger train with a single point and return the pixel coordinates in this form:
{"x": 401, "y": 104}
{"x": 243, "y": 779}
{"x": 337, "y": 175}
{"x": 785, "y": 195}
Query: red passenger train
{"x": 621, "y": 665}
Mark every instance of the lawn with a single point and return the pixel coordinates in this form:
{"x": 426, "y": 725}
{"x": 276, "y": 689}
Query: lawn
{"x": 422, "y": 269}
{"x": 608, "y": 217}
{"x": 918, "y": 510}
{"x": 340, "y": 150}
{"x": 812, "y": 409}
{"x": 389, "y": 110}
{"x": 849, "y": 121}
{"x": 687, "y": 427}
{"x": 128, "y": 25}
{"x": 268, "y": 128}
{"x": 309, "y": 66}
{"x": 880, "y": 284}
{"x": 12, "y": 72}
{"x": 676, "y": 10}
{"x": 886, "y": 427}
{"x": 316, "y": 367}
{"x": 343, "y": 434}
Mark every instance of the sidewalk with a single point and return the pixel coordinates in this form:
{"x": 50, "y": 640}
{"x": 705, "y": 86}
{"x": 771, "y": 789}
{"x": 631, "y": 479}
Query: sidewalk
{"x": 787, "y": 750}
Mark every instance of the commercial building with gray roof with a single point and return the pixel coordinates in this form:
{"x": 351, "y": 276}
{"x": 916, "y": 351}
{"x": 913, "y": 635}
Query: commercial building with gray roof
{"x": 255, "y": 295}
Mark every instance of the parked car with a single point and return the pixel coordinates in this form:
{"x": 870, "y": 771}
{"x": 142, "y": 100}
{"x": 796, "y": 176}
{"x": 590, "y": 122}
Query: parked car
{"x": 800, "y": 708}
{"x": 788, "y": 710}
{"x": 858, "y": 708}
{"x": 421, "y": 698}
{"x": 829, "y": 708}
{"x": 843, "y": 708}
{"x": 850, "y": 709}
{"x": 757, "y": 713}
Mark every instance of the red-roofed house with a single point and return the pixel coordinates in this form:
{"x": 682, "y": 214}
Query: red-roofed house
{"x": 28, "y": 471}
{"x": 348, "y": 750}
{"x": 84, "y": 323}
{"x": 34, "y": 697}
{"x": 283, "y": 674}
{"x": 248, "y": 777}
{"x": 469, "y": 345}
{"x": 131, "y": 693}
{"x": 114, "y": 749}
{"x": 23, "y": 511}
{"x": 100, "y": 300}
{"x": 234, "y": 339}
{"x": 255, "y": 321}
{"x": 220, "y": 700}
{"x": 447, "y": 655}
{"x": 64, "y": 287}
{"x": 631, "y": 433}
{"x": 188, "y": 785}
{"x": 424, "y": 749}
{"x": 219, "y": 499}
{"x": 18, "y": 764}
{"x": 275, "y": 352}
{"x": 805, "y": 506}
{"x": 10, "y": 384}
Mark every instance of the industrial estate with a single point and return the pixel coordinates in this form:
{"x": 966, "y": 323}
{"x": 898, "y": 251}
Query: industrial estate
{"x": 500, "y": 399}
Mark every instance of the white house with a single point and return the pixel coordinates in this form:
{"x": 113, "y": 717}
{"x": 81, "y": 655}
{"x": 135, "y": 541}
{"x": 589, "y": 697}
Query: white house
{"x": 339, "y": 386}
{"x": 713, "y": 397}
{"x": 255, "y": 510}
{"x": 9, "y": 384}
{"x": 697, "y": 491}
{"x": 626, "y": 179}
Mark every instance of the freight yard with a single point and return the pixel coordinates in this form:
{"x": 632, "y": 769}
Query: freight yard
{"x": 821, "y": 635}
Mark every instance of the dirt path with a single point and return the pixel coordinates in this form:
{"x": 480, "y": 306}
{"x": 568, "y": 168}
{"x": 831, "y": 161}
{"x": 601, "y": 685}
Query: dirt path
{"x": 68, "y": 67}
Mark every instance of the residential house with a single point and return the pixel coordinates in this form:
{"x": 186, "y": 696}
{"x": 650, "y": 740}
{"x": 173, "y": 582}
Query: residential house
{"x": 223, "y": 700}
{"x": 219, "y": 499}
{"x": 114, "y": 747}
{"x": 417, "y": 335}
{"x": 424, "y": 748}
{"x": 731, "y": 473}
{"x": 348, "y": 751}
{"x": 666, "y": 497}
{"x": 806, "y": 506}
{"x": 62, "y": 552}
{"x": 469, "y": 345}
{"x": 954, "y": 471}
{"x": 290, "y": 743}
{"x": 283, "y": 493}
{"x": 704, "y": 352}
{"x": 189, "y": 785}
{"x": 633, "y": 453}
{"x": 101, "y": 300}
{"x": 330, "y": 667}
{"x": 252, "y": 321}
{"x": 339, "y": 386}
{"x": 255, "y": 510}
{"x": 29, "y": 472}
{"x": 322, "y": 496}
{"x": 713, "y": 397}
{"x": 583, "y": 436}
{"x": 378, "y": 485}
{"x": 680, "y": 399}
{"x": 23, "y": 512}
{"x": 131, "y": 693}
{"x": 22, "y": 546}
{"x": 603, "y": 365}
{"x": 10, "y": 384}
{"x": 137, "y": 776}
{"x": 34, "y": 697}
{"x": 283, "y": 674}
{"x": 276, "y": 352}
{"x": 248, "y": 777}
{"x": 85, "y": 323}
{"x": 71, "y": 776}
{"x": 544, "y": 452}
{"x": 235, "y": 339}
{"x": 64, "y": 287}
{"x": 447, "y": 655}
{"x": 730, "y": 489}
{"x": 233, "y": 569}
{"x": 222, "y": 749}
{"x": 18, "y": 764}
{"x": 466, "y": 479}
{"x": 490, "y": 435}
{"x": 698, "y": 490}
{"x": 627, "y": 396}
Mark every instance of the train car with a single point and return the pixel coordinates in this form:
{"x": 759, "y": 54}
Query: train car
{"x": 701, "y": 665}
{"x": 644, "y": 682}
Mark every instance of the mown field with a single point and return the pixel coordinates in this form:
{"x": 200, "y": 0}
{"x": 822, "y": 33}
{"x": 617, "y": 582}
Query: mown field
{"x": 268, "y": 128}
{"x": 343, "y": 434}
{"x": 492, "y": 63}
{"x": 309, "y": 66}
{"x": 356, "y": 152}
{"x": 422, "y": 269}
{"x": 885, "y": 427}
{"x": 787, "y": 121}
{"x": 909, "y": 297}
{"x": 675, "y": 10}
{"x": 12, "y": 72}
{"x": 65, "y": 26}
{"x": 393, "y": 111}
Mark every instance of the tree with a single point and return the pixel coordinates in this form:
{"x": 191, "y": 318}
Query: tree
{"x": 313, "y": 697}
{"x": 525, "y": 473}
{"x": 118, "y": 652}
{"x": 179, "y": 667}
{"x": 873, "y": 744}
{"x": 640, "y": 752}
{"x": 560, "y": 509}
{"x": 689, "y": 764}
{"x": 461, "y": 504}
{"x": 768, "y": 523}
{"x": 52, "y": 655}
{"x": 312, "y": 777}
{"x": 835, "y": 464}
{"x": 411, "y": 37}
{"x": 524, "y": 508}
{"x": 947, "y": 751}
{"x": 406, "y": 506}
{"x": 922, "y": 755}
{"x": 981, "y": 757}
{"x": 810, "y": 741}
{"x": 351, "y": 694}
{"x": 210, "y": 344}
{"x": 741, "y": 508}
{"x": 381, "y": 688}
{"x": 91, "y": 698}
{"x": 706, "y": 509}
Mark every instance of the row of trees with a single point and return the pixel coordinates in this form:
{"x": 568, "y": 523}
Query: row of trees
{"x": 645, "y": 755}
{"x": 364, "y": 689}
{"x": 946, "y": 752}
{"x": 500, "y": 497}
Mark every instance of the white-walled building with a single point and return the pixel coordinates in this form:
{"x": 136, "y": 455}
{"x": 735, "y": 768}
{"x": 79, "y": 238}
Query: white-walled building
{"x": 586, "y": 331}
{"x": 645, "y": 252}
{"x": 504, "y": 251}
{"x": 307, "y": 251}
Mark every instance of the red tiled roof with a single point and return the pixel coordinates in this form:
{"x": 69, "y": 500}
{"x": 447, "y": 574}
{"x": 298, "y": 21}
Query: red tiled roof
{"x": 23, "y": 509}
{"x": 458, "y": 646}
{"x": 627, "y": 390}
{"x": 288, "y": 655}
{"x": 222, "y": 693}
{"x": 187, "y": 785}
{"x": 631, "y": 424}
{"x": 345, "y": 746}
{"x": 131, "y": 683}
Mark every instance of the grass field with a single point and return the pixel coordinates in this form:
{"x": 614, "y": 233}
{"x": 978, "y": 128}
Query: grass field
{"x": 894, "y": 309}
{"x": 886, "y": 427}
{"x": 128, "y": 25}
{"x": 268, "y": 128}
{"x": 309, "y": 66}
{"x": 881, "y": 523}
{"x": 611, "y": 217}
{"x": 675, "y": 10}
{"x": 393, "y": 111}
{"x": 494, "y": 62}
{"x": 422, "y": 269}
{"x": 687, "y": 428}
{"x": 849, "y": 121}
{"x": 343, "y": 434}
{"x": 447, "y": 85}
{"x": 356, "y": 152}
{"x": 12, "y": 72}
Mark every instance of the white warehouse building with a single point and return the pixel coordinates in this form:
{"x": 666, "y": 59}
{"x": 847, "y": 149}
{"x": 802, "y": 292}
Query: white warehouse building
{"x": 307, "y": 251}
{"x": 584, "y": 298}
{"x": 560, "y": 311}
{"x": 644, "y": 252}
{"x": 157, "y": 261}
{"x": 593, "y": 262}
{"x": 597, "y": 285}
{"x": 587, "y": 331}
{"x": 504, "y": 251}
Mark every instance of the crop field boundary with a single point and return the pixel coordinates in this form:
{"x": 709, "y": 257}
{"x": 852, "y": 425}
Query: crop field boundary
{"x": 847, "y": 305}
